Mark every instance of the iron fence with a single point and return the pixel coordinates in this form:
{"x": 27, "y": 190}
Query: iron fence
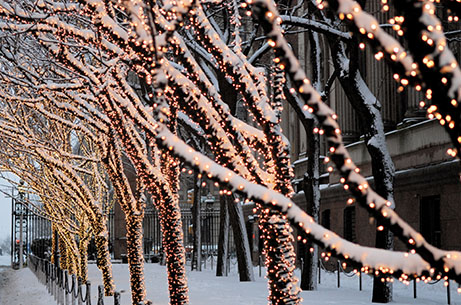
{"x": 340, "y": 270}
{"x": 209, "y": 233}
{"x": 66, "y": 289}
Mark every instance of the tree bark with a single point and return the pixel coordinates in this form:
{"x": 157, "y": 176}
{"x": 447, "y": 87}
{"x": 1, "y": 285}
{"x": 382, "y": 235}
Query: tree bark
{"x": 223, "y": 236}
{"x": 83, "y": 252}
{"x": 368, "y": 108}
{"x": 64, "y": 260}
{"x": 242, "y": 245}
{"x": 54, "y": 244}
{"x": 170, "y": 220}
{"x": 104, "y": 261}
{"x": 312, "y": 194}
{"x": 197, "y": 225}
{"x": 311, "y": 177}
{"x": 134, "y": 239}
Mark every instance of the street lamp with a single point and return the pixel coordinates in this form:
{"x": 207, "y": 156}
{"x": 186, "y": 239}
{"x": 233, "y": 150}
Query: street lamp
{"x": 19, "y": 210}
{"x": 209, "y": 201}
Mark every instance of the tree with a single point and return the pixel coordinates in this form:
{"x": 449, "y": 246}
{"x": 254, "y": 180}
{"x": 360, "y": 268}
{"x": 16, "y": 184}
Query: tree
{"x": 39, "y": 151}
{"x": 344, "y": 52}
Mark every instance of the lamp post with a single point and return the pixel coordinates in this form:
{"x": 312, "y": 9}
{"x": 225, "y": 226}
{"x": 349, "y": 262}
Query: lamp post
{"x": 209, "y": 201}
{"x": 18, "y": 224}
{"x": 21, "y": 192}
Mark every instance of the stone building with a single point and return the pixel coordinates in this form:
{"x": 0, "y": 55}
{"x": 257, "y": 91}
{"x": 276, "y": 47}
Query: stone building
{"x": 427, "y": 181}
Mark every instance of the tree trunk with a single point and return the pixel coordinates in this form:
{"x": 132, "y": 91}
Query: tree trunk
{"x": 382, "y": 290}
{"x": 170, "y": 221}
{"x": 245, "y": 266}
{"x": 197, "y": 224}
{"x": 64, "y": 260}
{"x": 312, "y": 194}
{"x": 223, "y": 236}
{"x": 104, "y": 261}
{"x": 83, "y": 252}
{"x": 242, "y": 245}
{"x": 278, "y": 246}
{"x": 311, "y": 177}
{"x": 54, "y": 244}
{"x": 134, "y": 239}
{"x": 368, "y": 108}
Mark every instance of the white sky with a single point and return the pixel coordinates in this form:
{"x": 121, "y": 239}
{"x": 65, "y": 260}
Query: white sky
{"x": 5, "y": 209}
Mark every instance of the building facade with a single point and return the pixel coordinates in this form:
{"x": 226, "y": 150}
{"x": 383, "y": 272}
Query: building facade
{"x": 427, "y": 185}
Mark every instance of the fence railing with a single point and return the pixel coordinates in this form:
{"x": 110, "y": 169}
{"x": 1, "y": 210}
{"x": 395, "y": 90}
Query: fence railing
{"x": 66, "y": 289}
{"x": 340, "y": 270}
{"x": 209, "y": 232}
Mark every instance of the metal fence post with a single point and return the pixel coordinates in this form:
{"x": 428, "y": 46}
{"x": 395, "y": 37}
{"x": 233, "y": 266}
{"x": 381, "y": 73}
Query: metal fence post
{"x": 259, "y": 263}
{"x": 228, "y": 264}
{"x": 58, "y": 285}
{"x": 47, "y": 276}
{"x": 43, "y": 272}
{"x": 320, "y": 271}
{"x": 61, "y": 286}
{"x": 414, "y": 288}
{"x": 360, "y": 280}
{"x": 88, "y": 293}
{"x": 339, "y": 271}
{"x": 66, "y": 287}
{"x": 74, "y": 289}
{"x": 116, "y": 298}
{"x": 100, "y": 295}
{"x": 448, "y": 292}
{"x": 79, "y": 291}
{"x": 53, "y": 281}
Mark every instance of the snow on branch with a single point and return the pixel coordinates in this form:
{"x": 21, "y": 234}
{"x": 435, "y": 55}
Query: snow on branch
{"x": 447, "y": 263}
{"x": 434, "y": 69}
{"x": 315, "y": 26}
{"x": 233, "y": 65}
{"x": 453, "y": 8}
{"x": 214, "y": 106}
{"x": 398, "y": 264}
{"x": 206, "y": 115}
{"x": 368, "y": 29}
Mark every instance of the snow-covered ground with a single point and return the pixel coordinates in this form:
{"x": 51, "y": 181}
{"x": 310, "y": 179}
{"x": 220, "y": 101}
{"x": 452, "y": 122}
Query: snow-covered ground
{"x": 21, "y": 287}
{"x": 5, "y": 260}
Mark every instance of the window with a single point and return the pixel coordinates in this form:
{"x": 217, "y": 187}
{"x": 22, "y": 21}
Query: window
{"x": 429, "y": 219}
{"x": 349, "y": 223}
{"x": 326, "y": 219}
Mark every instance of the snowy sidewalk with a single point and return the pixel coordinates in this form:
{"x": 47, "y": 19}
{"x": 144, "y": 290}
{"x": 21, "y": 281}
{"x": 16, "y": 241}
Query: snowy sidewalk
{"x": 22, "y": 287}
